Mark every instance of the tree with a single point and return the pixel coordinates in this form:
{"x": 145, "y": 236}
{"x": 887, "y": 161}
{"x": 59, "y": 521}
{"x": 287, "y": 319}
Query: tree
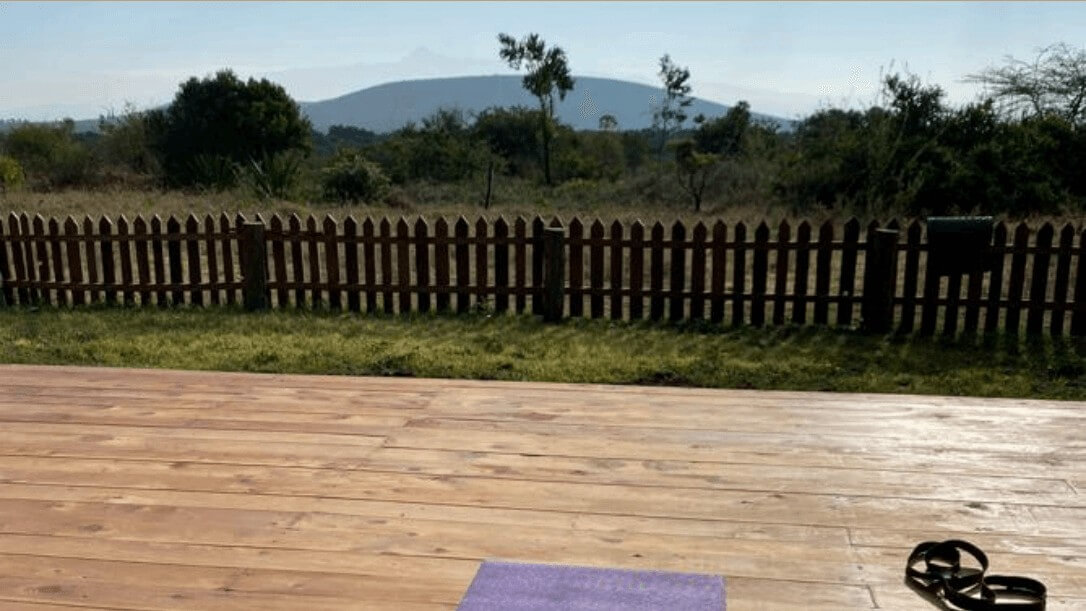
{"x": 724, "y": 135}
{"x": 694, "y": 170}
{"x": 219, "y": 123}
{"x": 547, "y": 76}
{"x": 608, "y": 123}
{"x": 1054, "y": 83}
{"x": 671, "y": 113}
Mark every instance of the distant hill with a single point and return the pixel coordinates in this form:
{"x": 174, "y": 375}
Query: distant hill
{"x": 389, "y": 106}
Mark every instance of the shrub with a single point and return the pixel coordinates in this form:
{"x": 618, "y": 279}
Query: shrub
{"x": 274, "y": 176}
{"x": 352, "y": 177}
{"x": 11, "y": 173}
{"x": 49, "y": 155}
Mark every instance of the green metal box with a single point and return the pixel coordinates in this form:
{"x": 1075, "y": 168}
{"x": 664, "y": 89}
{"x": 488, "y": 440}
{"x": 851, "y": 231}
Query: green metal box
{"x": 959, "y": 244}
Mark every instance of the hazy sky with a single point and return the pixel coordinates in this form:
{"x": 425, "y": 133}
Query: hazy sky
{"x": 79, "y": 59}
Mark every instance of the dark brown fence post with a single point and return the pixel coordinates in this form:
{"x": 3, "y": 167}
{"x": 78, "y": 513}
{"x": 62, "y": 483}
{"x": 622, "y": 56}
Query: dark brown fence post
{"x": 5, "y": 290}
{"x": 554, "y": 276}
{"x": 880, "y": 269}
{"x": 254, "y": 272}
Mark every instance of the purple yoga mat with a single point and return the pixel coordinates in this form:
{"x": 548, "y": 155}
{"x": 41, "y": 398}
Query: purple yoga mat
{"x": 508, "y": 586}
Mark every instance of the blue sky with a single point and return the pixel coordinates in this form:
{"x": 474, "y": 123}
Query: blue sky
{"x": 81, "y": 58}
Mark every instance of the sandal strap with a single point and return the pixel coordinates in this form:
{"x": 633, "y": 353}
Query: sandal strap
{"x": 945, "y": 580}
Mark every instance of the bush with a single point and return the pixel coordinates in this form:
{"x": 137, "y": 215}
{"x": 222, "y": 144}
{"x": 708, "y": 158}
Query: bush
{"x": 50, "y": 156}
{"x": 352, "y": 177}
{"x": 11, "y": 173}
{"x": 274, "y": 176}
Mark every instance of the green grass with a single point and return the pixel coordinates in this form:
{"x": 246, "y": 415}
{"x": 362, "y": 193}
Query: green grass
{"x": 479, "y": 346}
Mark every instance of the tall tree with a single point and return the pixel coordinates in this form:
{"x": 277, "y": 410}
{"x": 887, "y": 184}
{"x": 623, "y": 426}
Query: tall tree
{"x": 547, "y": 76}
{"x": 671, "y": 113}
{"x": 1054, "y": 83}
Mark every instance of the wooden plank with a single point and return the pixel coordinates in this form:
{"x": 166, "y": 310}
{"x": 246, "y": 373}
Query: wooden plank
{"x": 1039, "y": 280}
{"x": 124, "y": 252}
{"x": 331, "y": 263}
{"x": 1063, "y": 279}
{"x": 173, "y": 249}
{"x": 759, "y": 275}
{"x": 18, "y": 257}
{"x": 313, "y": 242}
{"x": 1078, "y": 316}
{"x": 33, "y": 266}
{"x": 847, "y": 283}
{"x": 520, "y": 251}
{"x": 7, "y": 293}
{"x": 369, "y": 255}
{"x": 823, "y": 263}
{"x": 297, "y": 264}
{"x": 595, "y": 274}
{"x": 403, "y": 265}
{"x": 637, "y": 272}
{"x": 350, "y": 256}
{"x": 228, "y": 246}
{"x": 159, "y": 260}
{"x": 803, "y": 265}
{"x": 780, "y": 284}
{"x": 995, "y": 280}
{"x": 617, "y": 252}
{"x": 973, "y": 302}
{"x": 75, "y": 263}
{"x": 463, "y": 263}
{"x": 537, "y": 266}
{"x": 441, "y": 263}
{"x": 575, "y": 243}
{"x": 697, "y": 272}
{"x": 386, "y": 266}
{"x": 720, "y": 273}
{"x": 739, "y": 275}
{"x": 501, "y": 265}
{"x": 656, "y": 272}
{"x": 194, "y": 266}
{"x": 278, "y": 240}
{"x": 482, "y": 263}
{"x": 143, "y": 261}
{"x": 60, "y": 274}
{"x": 42, "y": 252}
{"x": 211, "y": 250}
{"x": 1017, "y": 279}
{"x": 677, "y": 273}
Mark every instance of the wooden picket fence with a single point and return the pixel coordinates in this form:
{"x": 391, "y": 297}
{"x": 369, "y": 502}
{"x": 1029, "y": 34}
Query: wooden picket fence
{"x": 724, "y": 274}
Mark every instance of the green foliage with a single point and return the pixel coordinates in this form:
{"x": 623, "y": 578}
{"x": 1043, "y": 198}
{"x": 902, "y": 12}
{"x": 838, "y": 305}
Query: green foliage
{"x": 1053, "y": 84}
{"x": 590, "y": 155}
{"x": 670, "y": 115}
{"x": 50, "y": 155}
{"x": 276, "y": 176}
{"x": 125, "y": 143}
{"x": 11, "y": 173}
{"x": 694, "y": 170}
{"x": 343, "y": 136}
{"x": 512, "y": 134}
{"x": 547, "y": 76}
{"x": 351, "y": 177}
{"x": 442, "y": 148}
{"x": 220, "y": 121}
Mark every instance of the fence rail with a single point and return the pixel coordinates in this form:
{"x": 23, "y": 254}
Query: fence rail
{"x": 832, "y": 274}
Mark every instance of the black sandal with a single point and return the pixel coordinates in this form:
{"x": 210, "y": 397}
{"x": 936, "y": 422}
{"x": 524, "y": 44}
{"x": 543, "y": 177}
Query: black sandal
{"x": 944, "y": 581}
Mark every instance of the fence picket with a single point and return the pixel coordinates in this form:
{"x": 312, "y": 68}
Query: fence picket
{"x": 697, "y": 272}
{"x": 1078, "y": 315}
{"x": 385, "y": 228}
{"x": 369, "y": 251}
{"x": 912, "y": 271}
{"x": 501, "y": 265}
{"x": 995, "y": 279}
{"x": 297, "y": 256}
{"x": 173, "y": 248}
{"x": 33, "y": 266}
{"x": 463, "y": 263}
{"x": 313, "y": 242}
{"x": 595, "y": 270}
{"x": 228, "y": 258}
{"x": 1017, "y": 279}
{"x": 537, "y": 265}
{"x": 739, "y": 274}
{"x": 279, "y": 261}
{"x": 520, "y": 276}
{"x": 350, "y": 263}
{"x": 850, "y": 247}
{"x": 803, "y": 267}
{"x": 75, "y": 263}
{"x": 760, "y": 275}
{"x": 18, "y": 259}
{"x": 616, "y": 270}
{"x": 192, "y": 231}
{"x": 678, "y": 270}
{"x": 143, "y": 264}
{"x": 780, "y": 281}
{"x": 656, "y": 272}
{"x": 1039, "y": 280}
{"x": 720, "y": 273}
{"x": 441, "y": 262}
{"x": 481, "y": 262}
{"x": 403, "y": 265}
{"x": 575, "y": 245}
{"x": 213, "y": 276}
{"x": 158, "y": 260}
{"x": 637, "y": 270}
{"x": 7, "y": 293}
{"x": 124, "y": 250}
{"x": 331, "y": 263}
{"x": 1063, "y": 277}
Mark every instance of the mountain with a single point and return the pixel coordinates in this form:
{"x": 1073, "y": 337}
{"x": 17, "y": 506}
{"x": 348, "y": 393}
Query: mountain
{"x": 389, "y": 106}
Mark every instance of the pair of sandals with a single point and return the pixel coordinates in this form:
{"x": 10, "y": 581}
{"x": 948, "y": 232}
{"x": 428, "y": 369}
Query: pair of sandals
{"x": 935, "y": 572}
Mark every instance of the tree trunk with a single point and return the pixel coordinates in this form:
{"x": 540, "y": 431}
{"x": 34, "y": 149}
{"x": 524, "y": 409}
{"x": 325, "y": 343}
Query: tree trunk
{"x": 546, "y": 121}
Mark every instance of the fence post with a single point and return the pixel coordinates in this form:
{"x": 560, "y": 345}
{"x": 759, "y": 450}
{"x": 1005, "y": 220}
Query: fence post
{"x": 880, "y": 269}
{"x": 554, "y": 273}
{"x": 254, "y": 272}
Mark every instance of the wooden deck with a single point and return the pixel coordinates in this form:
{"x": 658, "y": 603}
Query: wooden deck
{"x": 138, "y": 489}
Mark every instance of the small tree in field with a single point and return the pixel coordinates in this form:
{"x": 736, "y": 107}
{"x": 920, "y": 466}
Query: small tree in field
{"x": 694, "y": 170}
{"x": 671, "y": 114}
{"x": 547, "y": 76}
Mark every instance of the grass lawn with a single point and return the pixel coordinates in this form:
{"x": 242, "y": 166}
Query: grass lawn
{"x": 523, "y": 348}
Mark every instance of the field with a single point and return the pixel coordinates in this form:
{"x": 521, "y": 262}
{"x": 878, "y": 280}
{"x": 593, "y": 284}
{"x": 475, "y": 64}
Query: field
{"x": 481, "y": 346}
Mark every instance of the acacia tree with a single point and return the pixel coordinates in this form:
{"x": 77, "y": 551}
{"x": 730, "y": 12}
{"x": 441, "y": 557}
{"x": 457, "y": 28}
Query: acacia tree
{"x": 547, "y": 77}
{"x": 1054, "y": 83}
{"x": 670, "y": 115}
